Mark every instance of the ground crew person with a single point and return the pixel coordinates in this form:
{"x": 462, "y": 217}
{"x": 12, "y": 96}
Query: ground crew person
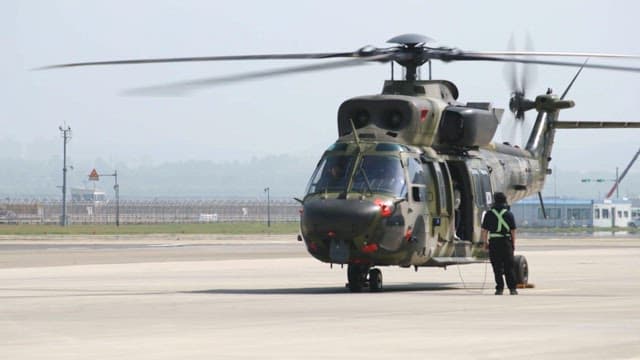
{"x": 499, "y": 236}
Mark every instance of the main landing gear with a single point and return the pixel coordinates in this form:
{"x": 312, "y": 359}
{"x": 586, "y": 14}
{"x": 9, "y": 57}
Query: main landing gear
{"x": 521, "y": 270}
{"x": 361, "y": 276}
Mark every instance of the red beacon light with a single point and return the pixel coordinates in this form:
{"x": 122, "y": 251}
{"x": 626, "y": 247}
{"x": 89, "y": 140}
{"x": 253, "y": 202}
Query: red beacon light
{"x": 386, "y": 209}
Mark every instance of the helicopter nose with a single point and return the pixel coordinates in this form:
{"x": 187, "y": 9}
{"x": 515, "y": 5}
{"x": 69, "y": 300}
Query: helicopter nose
{"x": 338, "y": 217}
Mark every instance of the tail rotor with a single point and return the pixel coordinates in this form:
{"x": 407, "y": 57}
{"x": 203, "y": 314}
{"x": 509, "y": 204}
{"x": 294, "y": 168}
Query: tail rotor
{"x": 519, "y": 81}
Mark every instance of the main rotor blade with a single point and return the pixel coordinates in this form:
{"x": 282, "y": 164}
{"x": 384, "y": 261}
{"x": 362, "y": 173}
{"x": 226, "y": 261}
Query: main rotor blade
{"x": 179, "y": 88}
{"x": 464, "y": 56}
{"x": 209, "y": 58}
{"x": 551, "y": 54}
{"x": 595, "y": 124}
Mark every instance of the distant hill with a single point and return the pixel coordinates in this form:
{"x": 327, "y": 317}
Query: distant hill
{"x": 285, "y": 175}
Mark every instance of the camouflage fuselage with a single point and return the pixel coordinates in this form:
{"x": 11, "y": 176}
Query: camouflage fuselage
{"x": 415, "y": 222}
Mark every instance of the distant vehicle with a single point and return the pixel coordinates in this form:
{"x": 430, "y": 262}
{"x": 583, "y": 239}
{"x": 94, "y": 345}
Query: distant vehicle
{"x": 208, "y": 217}
{"x": 82, "y": 195}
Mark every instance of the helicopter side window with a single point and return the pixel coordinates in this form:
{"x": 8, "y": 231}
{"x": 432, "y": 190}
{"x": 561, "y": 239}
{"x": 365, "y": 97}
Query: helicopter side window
{"x": 331, "y": 174}
{"x": 486, "y": 187}
{"x": 478, "y": 188}
{"x": 482, "y": 183}
{"x": 380, "y": 174}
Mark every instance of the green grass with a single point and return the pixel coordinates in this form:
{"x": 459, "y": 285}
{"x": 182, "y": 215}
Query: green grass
{"x": 143, "y": 229}
{"x": 214, "y": 228}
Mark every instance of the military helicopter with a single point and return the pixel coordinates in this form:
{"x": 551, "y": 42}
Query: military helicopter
{"x": 414, "y": 169}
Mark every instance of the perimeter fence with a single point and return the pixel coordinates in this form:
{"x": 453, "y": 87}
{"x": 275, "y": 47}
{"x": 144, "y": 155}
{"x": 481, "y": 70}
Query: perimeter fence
{"x": 149, "y": 211}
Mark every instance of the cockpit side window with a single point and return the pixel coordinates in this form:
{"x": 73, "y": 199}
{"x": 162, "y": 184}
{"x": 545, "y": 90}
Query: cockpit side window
{"x": 416, "y": 172}
{"x": 418, "y": 180}
{"x": 331, "y": 174}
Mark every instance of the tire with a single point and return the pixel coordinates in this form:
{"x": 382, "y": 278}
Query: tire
{"x": 356, "y": 277}
{"x": 521, "y": 270}
{"x": 375, "y": 280}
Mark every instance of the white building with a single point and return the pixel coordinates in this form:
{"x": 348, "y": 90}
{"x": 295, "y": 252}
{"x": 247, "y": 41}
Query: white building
{"x": 611, "y": 213}
{"x": 574, "y": 213}
{"x": 83, "y": 195}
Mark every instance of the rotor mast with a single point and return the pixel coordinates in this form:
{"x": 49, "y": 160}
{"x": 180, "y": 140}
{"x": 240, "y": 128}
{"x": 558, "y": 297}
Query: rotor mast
{"x": 411, "y": 57}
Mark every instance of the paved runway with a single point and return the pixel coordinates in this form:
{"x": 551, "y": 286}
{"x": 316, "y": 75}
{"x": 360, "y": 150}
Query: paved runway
{"x": 246, "y": 298}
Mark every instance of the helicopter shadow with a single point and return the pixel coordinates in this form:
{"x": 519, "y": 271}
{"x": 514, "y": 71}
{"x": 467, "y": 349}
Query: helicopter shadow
{"x": 411, "y": 287}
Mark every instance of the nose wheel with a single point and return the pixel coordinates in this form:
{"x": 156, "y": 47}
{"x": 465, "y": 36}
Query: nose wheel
{"x": 362, "y": 276}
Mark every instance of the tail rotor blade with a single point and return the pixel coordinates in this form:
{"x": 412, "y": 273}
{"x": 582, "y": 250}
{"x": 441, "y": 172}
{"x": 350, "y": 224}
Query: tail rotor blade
{"x": 529, "y": 72}
{"x": 510, "y": 70}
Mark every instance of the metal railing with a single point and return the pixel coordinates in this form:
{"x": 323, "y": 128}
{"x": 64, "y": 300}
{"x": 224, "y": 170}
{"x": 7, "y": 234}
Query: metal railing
{"x": 148, "y": 211}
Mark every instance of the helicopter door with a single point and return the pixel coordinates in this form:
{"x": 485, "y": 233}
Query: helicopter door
{"x": 462, "y": 199}
{"x": 445, "y": 203}
{"x": 420, "y": 198}
{"x": 430, "y": 184}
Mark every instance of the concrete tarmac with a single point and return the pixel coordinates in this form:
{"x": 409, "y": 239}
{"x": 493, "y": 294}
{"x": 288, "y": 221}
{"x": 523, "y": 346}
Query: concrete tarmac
{"x": 262, "y": 297}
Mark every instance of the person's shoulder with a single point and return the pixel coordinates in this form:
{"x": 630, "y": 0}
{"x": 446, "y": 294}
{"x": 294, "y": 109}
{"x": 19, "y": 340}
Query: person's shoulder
{"x": 489, "y": 214}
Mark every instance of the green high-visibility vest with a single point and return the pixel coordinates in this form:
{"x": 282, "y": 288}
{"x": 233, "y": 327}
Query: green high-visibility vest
{"x": 501, "y": 223}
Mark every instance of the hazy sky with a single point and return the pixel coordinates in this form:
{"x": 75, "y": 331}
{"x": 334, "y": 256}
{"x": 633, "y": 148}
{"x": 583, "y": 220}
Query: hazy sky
{"x": 290, "y": 114}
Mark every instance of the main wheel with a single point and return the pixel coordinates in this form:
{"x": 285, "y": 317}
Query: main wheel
{"x": 521, "y": 269}
{"x": 375, "y": 280}
{"x": 356, "y": 274}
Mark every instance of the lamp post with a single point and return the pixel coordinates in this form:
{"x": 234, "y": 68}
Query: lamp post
{"x": 116, "y": 188}
{"x": 95, "y": 176}
{"x": 66, "y": 135}
{"x": 268, "y": 207}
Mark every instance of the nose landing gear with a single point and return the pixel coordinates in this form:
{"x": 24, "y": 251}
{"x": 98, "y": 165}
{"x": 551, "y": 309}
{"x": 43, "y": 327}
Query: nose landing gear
{"x": 361, "y": 276}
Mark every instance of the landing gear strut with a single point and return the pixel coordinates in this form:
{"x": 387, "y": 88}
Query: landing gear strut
{"x": 361, "y": 276}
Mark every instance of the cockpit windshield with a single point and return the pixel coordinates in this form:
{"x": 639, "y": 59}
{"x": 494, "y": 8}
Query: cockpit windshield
{"x": 332, "y": 174}
{"x": 380, "y": 174}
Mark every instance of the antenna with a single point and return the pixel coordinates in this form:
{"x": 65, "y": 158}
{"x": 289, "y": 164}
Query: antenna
{"x": 573, "y": 80}
{"x": 355, "y": 134}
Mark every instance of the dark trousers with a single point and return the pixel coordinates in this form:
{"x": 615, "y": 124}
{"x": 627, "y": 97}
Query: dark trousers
{"x": 501, "y": 255}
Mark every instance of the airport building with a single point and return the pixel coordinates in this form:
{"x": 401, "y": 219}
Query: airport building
{"x": 567, "y": 212}
{"x": 635, "y": 213}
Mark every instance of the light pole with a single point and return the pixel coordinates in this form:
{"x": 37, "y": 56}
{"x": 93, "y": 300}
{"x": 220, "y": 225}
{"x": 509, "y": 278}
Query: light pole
{"x": 94, "y": 176}
{"x": 116, "y": 188}
{"x": 268, "y": 207}
{"x": 66, "y": 135}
